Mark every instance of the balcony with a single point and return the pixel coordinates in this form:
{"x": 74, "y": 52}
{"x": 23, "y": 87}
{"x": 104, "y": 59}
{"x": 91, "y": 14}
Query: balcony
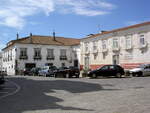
{"x": 116, "y": 49}
{"x": 23, "y": 57}
{"x": 95, "y": 51}
{"x": 37, "y": 57}
{"x": 142, "y": 46}
{"x": 63, "y": 57}
{"x": 50, "y": 58}
{"x": 87, "y": 51}
{"x": 129, "y": 48}
{"x": 104, "y": 50}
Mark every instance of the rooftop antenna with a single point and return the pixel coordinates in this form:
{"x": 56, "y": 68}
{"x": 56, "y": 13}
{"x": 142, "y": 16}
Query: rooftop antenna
{"x": 99, "y": 28}
{"x": 54, "y": 37}
{"x": 17, "y": 36}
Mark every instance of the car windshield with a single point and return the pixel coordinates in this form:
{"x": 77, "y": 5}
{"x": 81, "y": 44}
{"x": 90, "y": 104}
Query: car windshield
{"x": 72, "y": 67}
{"x": 104, "y": 68}
{"x": 61, "y": 68}
{"x": 53, "y": 67}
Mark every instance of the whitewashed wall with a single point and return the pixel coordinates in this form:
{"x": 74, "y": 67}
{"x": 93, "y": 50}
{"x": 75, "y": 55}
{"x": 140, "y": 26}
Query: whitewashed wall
{"x": 135, "y": 55}
{"x": 9, "y": 66}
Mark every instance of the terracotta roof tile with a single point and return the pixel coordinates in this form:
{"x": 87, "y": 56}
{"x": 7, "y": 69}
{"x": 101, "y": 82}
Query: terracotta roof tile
{"x": 46, "y": 40}
{"x": 120, "y": 29}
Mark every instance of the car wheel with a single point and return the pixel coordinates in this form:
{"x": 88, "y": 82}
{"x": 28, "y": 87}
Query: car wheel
{"x": 118, "y": 75}
{"x": 94, "y": 75}
{"x": 140, "y": 74}
{"x": 77, "y": 76}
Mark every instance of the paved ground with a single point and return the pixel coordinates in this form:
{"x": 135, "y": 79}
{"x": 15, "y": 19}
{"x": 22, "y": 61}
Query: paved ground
{"x": 50, "y": 95}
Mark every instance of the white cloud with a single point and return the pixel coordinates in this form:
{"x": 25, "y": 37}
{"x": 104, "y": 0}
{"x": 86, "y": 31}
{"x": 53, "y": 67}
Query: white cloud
{"x": 13, "y": 13}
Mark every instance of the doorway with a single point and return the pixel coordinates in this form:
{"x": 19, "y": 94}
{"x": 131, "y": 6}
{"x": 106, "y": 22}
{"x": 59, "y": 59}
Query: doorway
{"x": 30, "y": 65}
{"x": 86, "y": 63}
{"x": 115, "y": 59}
{"x": 76, "y": 63}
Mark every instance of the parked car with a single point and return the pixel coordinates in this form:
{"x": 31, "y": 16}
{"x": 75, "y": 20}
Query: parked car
{"x": 26, "y": 71}
{"x": 34, "y": 71}
{"x": 47, "y": 71}
{"x": 107, "y": 70}
{"x": 62, "y": 72}
{"x": 142, "y": 70}
{"x": 74, "y": 72}
{"x": 68, "y": 72}
{"x": 2, "y": 80}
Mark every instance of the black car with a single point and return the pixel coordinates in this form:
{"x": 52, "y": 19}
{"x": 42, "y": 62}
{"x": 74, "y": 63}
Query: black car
{"x": 74, "y": 72}
{"x": 61, "y": 72}
{"x": 68, "y": 72}
{"x": 26, "y": 71}
{"x": 107, "y": 70}
{"x": 2, "y": 80}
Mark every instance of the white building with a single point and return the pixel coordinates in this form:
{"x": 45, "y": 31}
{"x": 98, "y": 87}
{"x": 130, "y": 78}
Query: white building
{"x": 128, "y": 47}
{"x": 38, "y": 51}
{"x": 0, "y": 61}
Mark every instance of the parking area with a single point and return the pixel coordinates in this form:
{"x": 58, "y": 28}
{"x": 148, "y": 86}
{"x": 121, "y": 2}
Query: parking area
{"x": 76, "y": 95}
{"x": 7, "y": 89}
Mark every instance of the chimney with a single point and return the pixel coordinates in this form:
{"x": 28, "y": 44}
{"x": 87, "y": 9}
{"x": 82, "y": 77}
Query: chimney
{"x": 54, "y": 38}
{"x": 90, "y": 35}
{"x": 103, "y": 31}
{"x": 30, "y": 37}
{"x": 17, "y": 36}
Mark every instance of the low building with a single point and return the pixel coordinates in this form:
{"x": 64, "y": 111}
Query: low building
{"x": 38, "y": 51}
{"x": 128, "y": 47}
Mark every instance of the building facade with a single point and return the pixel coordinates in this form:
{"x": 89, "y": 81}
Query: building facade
{"x": 128, "y": 47}
{"x": 38, "y": 51}
{"x": 1, "y": 65}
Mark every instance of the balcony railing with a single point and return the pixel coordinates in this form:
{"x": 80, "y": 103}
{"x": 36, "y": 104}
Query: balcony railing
{"x": 50, "y": 58}
{"x": 23, "y": 57}
{"x": 143, "y": 45}
{"x": 87, "y": 51}
{"x": 63, "y": 57}
{"x": 95, "y": 51}
{"x": 104, "y": 50}
{"x": 116, "y": 48}
{"x": 37, "y": 57}
{"x": 129, "y": 48}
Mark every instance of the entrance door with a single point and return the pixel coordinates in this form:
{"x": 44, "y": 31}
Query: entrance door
{"x": 86, "y": 63}
{"x": 75, "y": 63}
{"x": 30, "y": 65}
{"x": 115, "y": 59}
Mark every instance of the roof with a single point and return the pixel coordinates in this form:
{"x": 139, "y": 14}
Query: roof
{"x": 119, "y": 29}
{"x": 45, "y": 40}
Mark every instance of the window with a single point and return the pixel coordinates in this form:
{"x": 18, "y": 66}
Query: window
{"x": 63, "y": 52}
{"x": 63, "y": 55}
{"x": 128, "y": 43}
{"x": 37, "y": 53}
{"x": 94, "y": 45}
{"x": 50, "y": 54}
{"x": 23, "y": 53}
{"x": 115, "y": 43}
{"x": 104, "y": 68}
{"x": 75, "y": 54}
{"x": 86, "y": 47}
{"x": 142, "y": 39}
{"x": 104, "y": 46}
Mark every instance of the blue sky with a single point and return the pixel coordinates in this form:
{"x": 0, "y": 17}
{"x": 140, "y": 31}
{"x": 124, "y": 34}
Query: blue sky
{"x": 69, "y": 18}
